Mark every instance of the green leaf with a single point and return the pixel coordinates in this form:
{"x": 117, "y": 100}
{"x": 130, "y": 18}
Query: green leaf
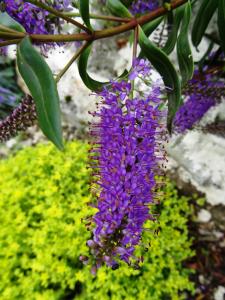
{"x": 163, "y": 65}
{"x": 118, "y": 9}
{"x": 127, "y": 3}
{"x": 82, "y": 67}
{"x": 84, "y": 12}
{"x": 148, "y": 28}
{"x": 90, "y": 83}
{"x": 221, "y": 22}
{"x": 39, "y": 79}
{"x": 201, "y": 62}
{"x": 172, "y": 38}
{"x": 151, "y": 26}
{"x": 9, "y": 22}
{"x": 204, "y": 15}
{"x": 184, "y": 54}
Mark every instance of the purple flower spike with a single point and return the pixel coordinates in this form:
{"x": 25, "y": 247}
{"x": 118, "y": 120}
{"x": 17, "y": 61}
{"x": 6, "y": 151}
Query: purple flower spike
{"x": 21, "y": 118}
{"x": 143, "y": 6}
{"x": 191, "y": 112}
{"x": 125, "y": 162}
{"x": 203, "y": 92}
{"x": 33, "y": 18}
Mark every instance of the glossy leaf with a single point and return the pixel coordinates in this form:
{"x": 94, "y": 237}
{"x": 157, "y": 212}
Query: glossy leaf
{"x": 91, "y": 83}
{"x": 9, "y": 22}
{"x": 163, "y": 65}
{"x": 84, "y": 12}
{"x": 118, "y": 9}
{"x": 39, "y": 80}
{"x": 184, "y": 54}
{"x": 172, "y": 38}
{"x": 221, "y": 22}
{"x": 204, "y": 15}
{"x": 82, "y": 67}
{"x": 151, "y": 26}
{"x": 148, "y": 28}
{"x": 201, "y": 62}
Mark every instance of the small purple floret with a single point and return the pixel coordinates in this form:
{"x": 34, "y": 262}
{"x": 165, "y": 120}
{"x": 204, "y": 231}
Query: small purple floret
{"x": 143, "y": 6}
{"x": 139, "y": 68}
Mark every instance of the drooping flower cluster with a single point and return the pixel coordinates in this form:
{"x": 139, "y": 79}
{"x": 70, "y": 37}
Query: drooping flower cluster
{"x": 191, "y": 112}
{"x": 139, "y": 6}
{"x": 202, "y": 92}
{"x": 143, "y": 6}
{"x": 34, "y": 19}
{"x": 21, "y": 118}
{"x": 125, "y": 162}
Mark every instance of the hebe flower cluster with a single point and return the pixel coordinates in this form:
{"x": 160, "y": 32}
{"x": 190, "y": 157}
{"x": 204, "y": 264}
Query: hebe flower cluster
{"x": 191, "y": 112}
{"x": 140, "y": 6}
{"x": 202, "y": 92}
{"x": 125, "y": 162}
{"x": 21, "y": 118}
{"x": 33, "y": 18}
{"x": 143, "y": 6}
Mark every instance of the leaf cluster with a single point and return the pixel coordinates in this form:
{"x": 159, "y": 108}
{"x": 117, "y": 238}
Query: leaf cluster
{"x": 10, "y": 93}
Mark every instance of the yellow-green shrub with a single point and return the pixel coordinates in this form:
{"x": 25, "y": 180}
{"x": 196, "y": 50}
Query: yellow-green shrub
{"x": 44, "y": 196}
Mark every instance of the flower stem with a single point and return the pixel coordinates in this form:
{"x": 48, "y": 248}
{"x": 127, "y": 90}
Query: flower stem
{"x": 95, "y": 35}
{"x": 99, "y": 17}
{"x": 72, "y": 60}
{"x": 58, "y": 14}
{"x": 136, "y": 32}
{"x": 135, "y": 43}
{"x": 9, "y": 42}
{"x": 105, "y": 33}
{"x": 11, "y": 35}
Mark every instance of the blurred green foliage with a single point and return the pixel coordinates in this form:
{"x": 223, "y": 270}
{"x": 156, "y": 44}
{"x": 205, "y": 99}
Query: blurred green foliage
{"x": 10, "y": 93}
{"x": 44, "y": 196}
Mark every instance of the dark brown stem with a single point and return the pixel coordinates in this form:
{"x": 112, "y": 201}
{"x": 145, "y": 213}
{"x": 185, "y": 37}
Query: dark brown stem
{"x": 72, "y": 60}
{"x": 9, "y": 42}
{"x": 100, "y": 17}
{"x": 136, "y": 32}
{"x": 107, "y": 32}
{"x": 95, "y": 35}
{"x": 51, "y": 38}
{"x": 11, "y": 35}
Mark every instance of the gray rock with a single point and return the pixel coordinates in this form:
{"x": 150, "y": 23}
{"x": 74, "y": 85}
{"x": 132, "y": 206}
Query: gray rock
{"x": 219, "y": 294}
{"x": 199, "y": 158}
{"x": 204, "y": 216}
